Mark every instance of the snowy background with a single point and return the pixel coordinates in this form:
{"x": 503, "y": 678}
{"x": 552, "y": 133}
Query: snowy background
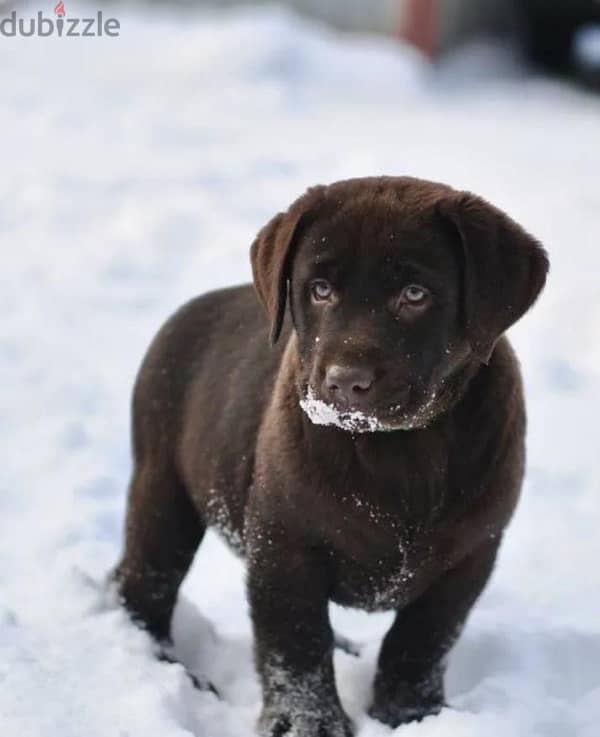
{"x": 135, "y": 173}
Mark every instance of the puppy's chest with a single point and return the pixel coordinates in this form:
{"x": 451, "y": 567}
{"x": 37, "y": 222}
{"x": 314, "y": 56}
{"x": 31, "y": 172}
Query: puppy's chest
{"x": 385, "y": 584}
{"x": 379, "y": 582}
{"x": 377, "y": 553}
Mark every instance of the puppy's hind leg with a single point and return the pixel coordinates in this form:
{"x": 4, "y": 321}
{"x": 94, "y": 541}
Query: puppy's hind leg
{"x": 162, "y": 533}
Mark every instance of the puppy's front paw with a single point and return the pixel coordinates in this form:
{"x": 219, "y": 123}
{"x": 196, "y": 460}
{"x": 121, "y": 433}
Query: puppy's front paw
{"x": 286, "y": 724}
{"x": 397, "y": 701}
{"x": 396, "y": 714}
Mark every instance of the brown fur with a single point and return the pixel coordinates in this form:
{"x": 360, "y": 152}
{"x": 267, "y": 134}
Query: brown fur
{"x": 408, "y": 519}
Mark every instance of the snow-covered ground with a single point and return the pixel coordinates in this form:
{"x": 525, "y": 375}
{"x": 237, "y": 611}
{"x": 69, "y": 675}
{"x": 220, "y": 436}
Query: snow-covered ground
{"x": 135, "y": 172}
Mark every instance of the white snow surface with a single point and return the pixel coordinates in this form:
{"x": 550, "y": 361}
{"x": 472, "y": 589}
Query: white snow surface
{"x": 135, "y": 173}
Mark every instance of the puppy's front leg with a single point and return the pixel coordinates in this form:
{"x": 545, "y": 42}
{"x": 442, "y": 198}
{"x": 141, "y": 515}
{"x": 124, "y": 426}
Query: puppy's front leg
{"x": 294, "y": 640}
{"x": 409, "y": 680}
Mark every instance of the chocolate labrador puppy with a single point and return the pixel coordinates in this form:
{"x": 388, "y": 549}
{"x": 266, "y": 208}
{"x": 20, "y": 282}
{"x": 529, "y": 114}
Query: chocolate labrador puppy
{"x": 372, "y": 456}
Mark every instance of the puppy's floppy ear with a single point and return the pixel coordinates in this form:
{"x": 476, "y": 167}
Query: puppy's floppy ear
{"x": 504, "y": 269}
{"x": 271, "y": 255}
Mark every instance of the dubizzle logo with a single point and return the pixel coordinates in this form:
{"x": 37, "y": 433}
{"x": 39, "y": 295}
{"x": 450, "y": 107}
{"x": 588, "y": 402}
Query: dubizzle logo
{"x": 60, "y": 25}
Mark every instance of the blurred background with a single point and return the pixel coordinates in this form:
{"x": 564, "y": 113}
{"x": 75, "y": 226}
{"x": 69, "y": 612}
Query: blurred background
{"x": 135, "y": 172}
{"x": 562, "y": 36}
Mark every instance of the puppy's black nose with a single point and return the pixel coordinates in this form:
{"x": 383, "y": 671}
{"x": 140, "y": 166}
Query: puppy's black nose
{"x": 348, "y": 384}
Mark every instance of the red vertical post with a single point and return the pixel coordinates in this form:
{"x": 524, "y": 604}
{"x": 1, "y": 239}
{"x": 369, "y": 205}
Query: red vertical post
{"x": 420, "y": 25}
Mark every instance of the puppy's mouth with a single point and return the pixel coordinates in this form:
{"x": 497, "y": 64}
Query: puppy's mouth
{"x": 392, "y": 418}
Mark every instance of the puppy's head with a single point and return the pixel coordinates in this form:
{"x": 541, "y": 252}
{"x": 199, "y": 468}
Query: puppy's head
{"x": 395, "y": 285}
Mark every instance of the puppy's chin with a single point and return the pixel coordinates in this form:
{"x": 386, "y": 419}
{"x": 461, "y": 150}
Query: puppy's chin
{"x": 394, "y": 418}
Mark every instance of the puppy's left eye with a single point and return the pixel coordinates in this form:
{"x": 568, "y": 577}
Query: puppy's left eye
{"x": 321, "y": 290}
{"x": 411, "y": 299}
{"x": 414, "y": 294}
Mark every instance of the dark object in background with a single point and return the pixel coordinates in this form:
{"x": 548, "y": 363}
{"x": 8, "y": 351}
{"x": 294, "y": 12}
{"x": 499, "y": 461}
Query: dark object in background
{"x": 549, "y": 31}
{"x": 560, "y": 36}
{"x": 393, "y": 487}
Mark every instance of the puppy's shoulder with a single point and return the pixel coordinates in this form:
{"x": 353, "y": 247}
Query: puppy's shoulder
{"x": 504, "y": 373}
{"x": 494, "y": 404}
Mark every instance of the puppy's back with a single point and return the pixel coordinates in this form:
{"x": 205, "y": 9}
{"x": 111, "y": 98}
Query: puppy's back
{"x": 200, "y": 390}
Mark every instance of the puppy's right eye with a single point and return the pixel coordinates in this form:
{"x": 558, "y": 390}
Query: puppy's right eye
{"x": 321, "y": 290}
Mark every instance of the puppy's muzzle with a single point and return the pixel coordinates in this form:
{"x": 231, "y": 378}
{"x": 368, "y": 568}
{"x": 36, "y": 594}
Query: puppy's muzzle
{"x": 348, "y": 386}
